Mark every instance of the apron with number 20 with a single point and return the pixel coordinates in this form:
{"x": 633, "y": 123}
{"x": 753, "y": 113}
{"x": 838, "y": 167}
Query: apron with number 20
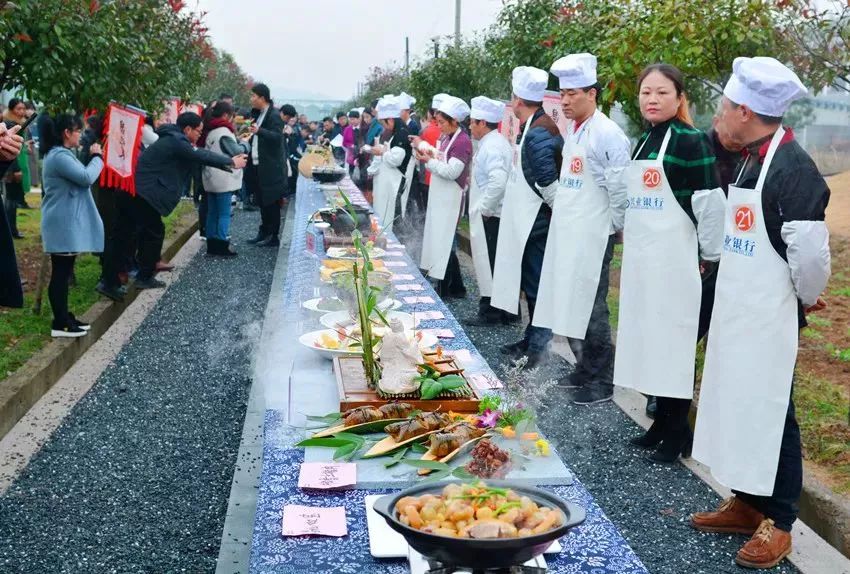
{"x": 751, "y": 352}
{"x": 660, "y": 287}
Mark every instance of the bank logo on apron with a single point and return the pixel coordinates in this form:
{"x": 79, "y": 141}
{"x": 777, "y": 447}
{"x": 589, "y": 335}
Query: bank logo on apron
{"x": 745, "y": 218}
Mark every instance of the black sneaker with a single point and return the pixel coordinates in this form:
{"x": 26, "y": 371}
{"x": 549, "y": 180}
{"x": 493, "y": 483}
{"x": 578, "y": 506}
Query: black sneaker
{"x": 78, "y": 323}
{"x": 259, "y": 239}
{"x": 571, "y": 381}
{"x": 115, "y": 293}
{"x": 152, "y": 283}
{"x": 72, "y": 332}
{"x": 270, "y": 242}
{"x": 536, "y": 359}
{"x": 516, "y": 349}
{"x": 592, "y": 395}
{"x": 651, "y": 407}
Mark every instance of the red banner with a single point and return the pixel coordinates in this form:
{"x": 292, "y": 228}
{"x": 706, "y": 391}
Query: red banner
{"x": 172, "y": 110}
{"x": 551, "y": 105}
{"x": 123, "y": 128}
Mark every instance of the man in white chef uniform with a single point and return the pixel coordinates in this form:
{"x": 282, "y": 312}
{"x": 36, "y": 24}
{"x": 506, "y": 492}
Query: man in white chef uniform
{"x": 590, "y": 206}
{"x": 527, "y": 211}
{"x": 490, "y": 169}
{"x": 774, "y": 266}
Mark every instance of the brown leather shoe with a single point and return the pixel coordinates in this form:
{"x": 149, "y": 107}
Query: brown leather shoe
{"x": 162, "y": 266}
{"x": 768, "y": 546}
{"x": 733, "y": 516}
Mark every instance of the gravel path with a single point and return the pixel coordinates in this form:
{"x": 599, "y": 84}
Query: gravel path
{"x": 650, "y": 503}
{"x": 138, "y": 476}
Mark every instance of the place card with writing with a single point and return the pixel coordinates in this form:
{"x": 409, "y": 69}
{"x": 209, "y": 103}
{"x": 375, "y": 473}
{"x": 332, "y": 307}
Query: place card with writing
{"x": 300, "y": 520}
{"x": 403, "y": 277}
{"x": 415, "y": 300}
{"x": 410, "y": 287}
{"x": 327, "y": 475}
{"x": 395, "y": 264}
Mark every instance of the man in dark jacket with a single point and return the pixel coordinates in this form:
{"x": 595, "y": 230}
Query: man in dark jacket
{"x": 11, "y": 293}
{"x": 541, "y": 167}
{"x": 293, "y": 142}
{"x": 161, "y": 176}
{"x": 266, "y": 173}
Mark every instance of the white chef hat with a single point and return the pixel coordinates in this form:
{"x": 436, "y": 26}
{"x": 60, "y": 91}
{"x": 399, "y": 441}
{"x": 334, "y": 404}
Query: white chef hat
{"x": 575, "y": 71}
{"x": 529, "y": 83}
{"x": 454, "y": 107}
{"x": 484, "y": 108}
{"x": 435, "y": 102}
{"x": 388, "y": 107}
{"x": 764, "y": 85}
{"x": 406, "y": 101}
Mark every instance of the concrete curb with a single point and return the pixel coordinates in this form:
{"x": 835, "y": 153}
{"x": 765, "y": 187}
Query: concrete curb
{"x": 21, "y": 390}
{"x": 825, "y": 512}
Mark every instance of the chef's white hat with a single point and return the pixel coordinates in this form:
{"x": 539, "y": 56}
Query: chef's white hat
{"x": 388, "y": 107}
{"x": 484, "y": 108}
{"x": 454, "y": 107}
{"x": 435, "y": 102}
{"x": 764, "y": 85}
{"x": 406, "y": 101}
{"x": 529, "y": 83}
{"x": 575, "y": 71}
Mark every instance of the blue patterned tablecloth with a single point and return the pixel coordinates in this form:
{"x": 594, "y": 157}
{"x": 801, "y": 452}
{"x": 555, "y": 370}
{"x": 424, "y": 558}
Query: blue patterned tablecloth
{"x": 596, "y": 547}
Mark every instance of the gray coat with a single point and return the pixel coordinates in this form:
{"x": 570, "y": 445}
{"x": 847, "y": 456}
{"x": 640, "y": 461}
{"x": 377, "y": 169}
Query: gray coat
{"x": 70, "y": 222}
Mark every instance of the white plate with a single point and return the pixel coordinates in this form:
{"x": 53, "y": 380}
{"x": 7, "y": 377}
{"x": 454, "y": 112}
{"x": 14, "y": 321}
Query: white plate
{"x": 384, "y": 542}
{"x": 344, "y": 319}
{"x": 342, "y": 253}
{"x": 426, "y": 341}
{"x": 311, "y": 305}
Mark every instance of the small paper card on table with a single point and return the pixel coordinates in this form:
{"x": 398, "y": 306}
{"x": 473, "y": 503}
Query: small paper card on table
{"x": 410, "y": 287}
{"x": 402, "y": 277}
{"x": 430, "y": 315}
{"x": 483, "y": 381}
{"x": 396, "y": 253}
{"x": 442, "y": 333}
{"x": 301, "y": 520}
{"x": 463, "y": 355}
{"x": 327, "y": 475}
{"x": 415, "y": 300}
{"x": 395, "y": 264}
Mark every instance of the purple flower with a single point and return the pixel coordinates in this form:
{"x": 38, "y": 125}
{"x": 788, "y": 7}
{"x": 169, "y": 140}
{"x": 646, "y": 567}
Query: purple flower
{"x": 488, "y": 418}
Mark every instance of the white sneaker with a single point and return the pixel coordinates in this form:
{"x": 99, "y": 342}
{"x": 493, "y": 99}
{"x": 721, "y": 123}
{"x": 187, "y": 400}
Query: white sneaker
{"x": 68, "y": 332}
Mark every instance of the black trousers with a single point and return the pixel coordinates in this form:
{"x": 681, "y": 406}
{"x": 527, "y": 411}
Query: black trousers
{"x": 595, "y": 354}
{"x": 134, "y": 215}
{"x": 532, "y": 264}
{"x": 61, "y": 269}
{"x": 270, "y": 219}
{"x": 452, "y": 283}
{"x": 784, "y": 504}
{"x": 491, "y": 236}
{"x": 10, "y": 206}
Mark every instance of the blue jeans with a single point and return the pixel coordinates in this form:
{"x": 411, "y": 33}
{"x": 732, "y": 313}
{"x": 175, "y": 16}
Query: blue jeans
{"x": 218, "y": 215}
{"x": 532, "y": 264}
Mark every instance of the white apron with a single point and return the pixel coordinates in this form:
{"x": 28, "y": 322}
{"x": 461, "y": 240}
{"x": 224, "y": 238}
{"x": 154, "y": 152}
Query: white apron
{"x": 519, "y": 210}
{"x": 444, "y": 200}
{"x": 660, "y": 287}
{"x": 575, "y": 247}
{"x": 752, "y": 349}
{"x": 480, "y": 255}
{"x": 385, "y": 191}
{"x": 408, "y": 181}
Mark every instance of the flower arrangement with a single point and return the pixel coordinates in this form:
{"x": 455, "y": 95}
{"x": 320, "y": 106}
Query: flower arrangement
{"x": 513, "y": 408}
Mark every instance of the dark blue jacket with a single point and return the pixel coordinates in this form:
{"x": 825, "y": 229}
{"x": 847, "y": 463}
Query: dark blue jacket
{"x": 166, "y": 166}
{"x": 541, "y": 152}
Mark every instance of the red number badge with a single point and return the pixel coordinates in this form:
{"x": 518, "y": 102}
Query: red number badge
{"x": 576, "y": 166}
{"x": 745, "y": 218}
{"x": 651, "y": 178}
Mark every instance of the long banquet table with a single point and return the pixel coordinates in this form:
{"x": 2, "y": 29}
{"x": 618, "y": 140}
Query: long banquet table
{"x": 300, "y": 383}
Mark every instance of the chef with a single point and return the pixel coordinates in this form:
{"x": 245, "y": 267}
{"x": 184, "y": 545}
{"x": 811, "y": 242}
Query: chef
{"x": 392, "y": 158}
{"x": 590, "y": 206}
{"x": 449, "y": 167}
{"x": 527, "y": 209}
{"x": 775, "y": 264}
{"x": 408, "y": 212}
{"x": 490, "y": 169}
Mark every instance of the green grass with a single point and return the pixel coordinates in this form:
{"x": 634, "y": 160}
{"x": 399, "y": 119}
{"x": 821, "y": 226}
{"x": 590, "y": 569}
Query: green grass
{"x": 22, "y": 332}
{"x": 818, "y": 321}
{"x": 822, "y": 411}
{"x": 812, "y": 333}
{"x": 843, "y": 291}
{"x": 617, "y": 260}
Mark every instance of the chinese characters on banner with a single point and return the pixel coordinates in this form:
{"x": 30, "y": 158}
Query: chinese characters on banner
{"x": 551, "y": 105}
{"x": 123, "y": 135}
{"x": 172, "y": 110}
{"x": 195, "y": 108}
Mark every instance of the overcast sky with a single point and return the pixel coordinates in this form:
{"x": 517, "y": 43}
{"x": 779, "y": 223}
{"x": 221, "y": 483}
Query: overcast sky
{"x": 324, "y": 47}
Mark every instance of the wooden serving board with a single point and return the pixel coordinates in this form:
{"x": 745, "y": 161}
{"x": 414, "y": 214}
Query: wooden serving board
{"x": 354, "y": 391}
{"x": 334, "y": 240}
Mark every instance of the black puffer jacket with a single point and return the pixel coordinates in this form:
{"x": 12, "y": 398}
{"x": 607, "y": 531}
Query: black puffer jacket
{"x": 541, "y": 152}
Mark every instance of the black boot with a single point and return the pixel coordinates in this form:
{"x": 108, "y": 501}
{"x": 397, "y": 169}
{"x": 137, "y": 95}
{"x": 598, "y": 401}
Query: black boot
{"x": 674, "y": 446}
{"x": 515, "y": 350}
{"x": 213, "y": 247}
{"x": 677, "y": 436}
{"x": 226, "y": 250}
{"x": 261, "y": 236}
{"x": 651, "y": 406}
{"x": 650, "y": 438}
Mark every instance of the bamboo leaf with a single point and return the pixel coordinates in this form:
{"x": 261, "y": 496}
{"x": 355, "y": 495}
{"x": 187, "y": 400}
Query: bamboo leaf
{"x": 351, "y": 437}
{"x": 328, "y": 418}
{"x": 345, "y": 450}
{"x": 326, "y": 442}
{"x": 430, "y": 389}
{"x": 429, "y": 464}
{"x": 397, "y": 458}
{"x": 440, "y": 475}
{"x": 462, "y": 473}
{"x": 419, "y": 447}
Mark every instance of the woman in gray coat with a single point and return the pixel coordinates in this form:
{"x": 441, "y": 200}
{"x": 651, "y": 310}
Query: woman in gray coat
{"x": 70, "y": 223}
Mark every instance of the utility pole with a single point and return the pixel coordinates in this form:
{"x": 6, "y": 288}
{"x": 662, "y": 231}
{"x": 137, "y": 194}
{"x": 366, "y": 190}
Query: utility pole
{"x": 457, "y": 23}
{"x": 436, "y": 40}
{"x": 407, "y": 55}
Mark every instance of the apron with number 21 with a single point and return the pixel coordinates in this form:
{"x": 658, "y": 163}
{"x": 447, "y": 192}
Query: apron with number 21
{"x": 751, "y": 352}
